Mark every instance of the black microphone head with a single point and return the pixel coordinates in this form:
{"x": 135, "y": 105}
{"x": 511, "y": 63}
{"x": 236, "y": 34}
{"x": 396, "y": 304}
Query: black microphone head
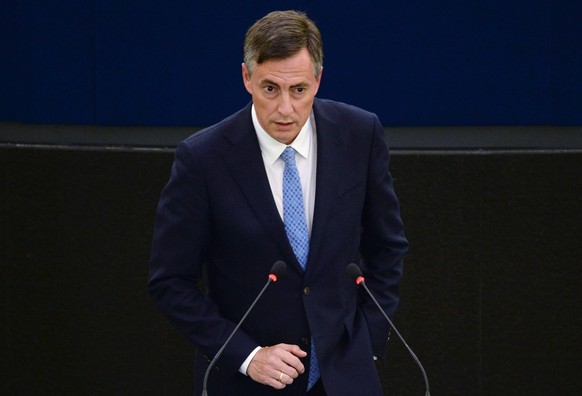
{"x": 278, "y": 268}
{"x": 353, "y": 271}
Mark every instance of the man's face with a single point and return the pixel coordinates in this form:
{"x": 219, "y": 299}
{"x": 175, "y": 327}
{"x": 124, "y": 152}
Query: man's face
{"x": 283, "y": 91}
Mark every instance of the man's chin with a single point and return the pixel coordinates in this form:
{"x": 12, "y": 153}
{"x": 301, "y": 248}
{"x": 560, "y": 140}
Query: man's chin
{"x": 284, "y": 137}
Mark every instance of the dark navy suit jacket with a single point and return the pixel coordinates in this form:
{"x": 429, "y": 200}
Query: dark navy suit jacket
{"x": 217, "y": 221}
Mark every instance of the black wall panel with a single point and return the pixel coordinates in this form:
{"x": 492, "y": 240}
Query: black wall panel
{"x": 490, "y": 297}
{"x": 78, "y": 317}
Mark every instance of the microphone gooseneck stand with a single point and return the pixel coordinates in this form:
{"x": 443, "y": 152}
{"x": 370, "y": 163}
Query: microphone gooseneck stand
{"x": 355, "y": 273}
{"x": 277, "y": 270}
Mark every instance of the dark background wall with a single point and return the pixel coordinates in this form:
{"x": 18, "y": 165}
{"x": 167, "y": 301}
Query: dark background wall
{"x": 482, "y": 101}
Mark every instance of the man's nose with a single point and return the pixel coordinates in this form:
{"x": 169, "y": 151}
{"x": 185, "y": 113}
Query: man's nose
{"x": 285, "y": 106}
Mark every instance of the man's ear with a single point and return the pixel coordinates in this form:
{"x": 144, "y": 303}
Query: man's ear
{"x": 246, "y": 76}
{"x": 319, "y": 80}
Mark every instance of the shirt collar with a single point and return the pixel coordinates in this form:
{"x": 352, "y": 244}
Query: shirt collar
{"x": 272, "y": 148}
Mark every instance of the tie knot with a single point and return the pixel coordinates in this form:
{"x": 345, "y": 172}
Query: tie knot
{"x": 288, "y": 155}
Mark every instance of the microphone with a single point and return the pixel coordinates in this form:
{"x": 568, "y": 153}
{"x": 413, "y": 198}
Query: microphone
{"x": 355, "y": 273}
{"x": 277, "y": 270}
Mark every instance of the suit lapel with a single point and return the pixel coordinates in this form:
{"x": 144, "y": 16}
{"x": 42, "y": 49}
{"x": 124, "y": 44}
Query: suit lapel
{"x": 331, "y": 148}
{"x": 244, "y": 159}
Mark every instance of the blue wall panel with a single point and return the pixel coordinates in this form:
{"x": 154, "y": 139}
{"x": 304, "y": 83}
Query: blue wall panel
{"x": 9, "y": 61}
{"x": 178, "y": 63}
{"x": 159, "y": 64}
{"x": 451, "y": 63}
{"x": 57, "y": 60}
{"x": 566, "y": 94}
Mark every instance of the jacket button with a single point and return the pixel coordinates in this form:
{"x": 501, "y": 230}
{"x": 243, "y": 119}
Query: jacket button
{"x": 305, "y": 340}
{"x": 306, "y": 291}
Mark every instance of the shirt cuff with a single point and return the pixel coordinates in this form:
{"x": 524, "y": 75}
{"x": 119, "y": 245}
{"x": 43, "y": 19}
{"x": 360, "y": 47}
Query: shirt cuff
{"x": 244, "y": 367}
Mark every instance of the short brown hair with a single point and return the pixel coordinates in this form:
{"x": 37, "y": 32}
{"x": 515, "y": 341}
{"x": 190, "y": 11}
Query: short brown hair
{"x": 280, "y": 35}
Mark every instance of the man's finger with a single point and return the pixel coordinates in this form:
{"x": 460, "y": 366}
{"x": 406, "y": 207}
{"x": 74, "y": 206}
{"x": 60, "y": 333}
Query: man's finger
{"x": 277, "y": 366}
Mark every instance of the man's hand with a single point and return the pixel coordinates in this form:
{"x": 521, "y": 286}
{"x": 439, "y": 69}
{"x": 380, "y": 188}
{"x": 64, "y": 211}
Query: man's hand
{"x": 277, "y": 365}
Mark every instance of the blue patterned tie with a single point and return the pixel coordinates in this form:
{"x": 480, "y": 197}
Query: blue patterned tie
{"x": 293, "y": 209}
{"x": 297, "y": 232}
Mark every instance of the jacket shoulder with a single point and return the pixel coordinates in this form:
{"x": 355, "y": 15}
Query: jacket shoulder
{"x": 340, "y": 110}
{"x": 233, "y": 128}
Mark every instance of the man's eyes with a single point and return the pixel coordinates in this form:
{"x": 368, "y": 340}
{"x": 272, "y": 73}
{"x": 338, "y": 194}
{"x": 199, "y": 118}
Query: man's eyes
{"x": 271, "y": 89}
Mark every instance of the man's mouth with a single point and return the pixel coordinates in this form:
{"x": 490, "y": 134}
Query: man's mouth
{"x": 284, "y": 125}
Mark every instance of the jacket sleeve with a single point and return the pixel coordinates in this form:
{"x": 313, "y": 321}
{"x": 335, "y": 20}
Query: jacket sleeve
{"x": 383, "y": 243}
{"x": 181, "y": 240}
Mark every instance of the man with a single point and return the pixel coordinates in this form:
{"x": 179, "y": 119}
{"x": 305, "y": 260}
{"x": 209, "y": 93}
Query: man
{"x": 292, "y": 178}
